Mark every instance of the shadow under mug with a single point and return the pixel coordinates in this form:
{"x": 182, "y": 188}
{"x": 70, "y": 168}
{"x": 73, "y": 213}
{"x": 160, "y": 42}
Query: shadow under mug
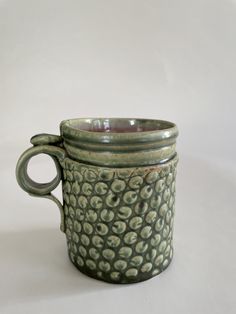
{"x": 118, "y": 181}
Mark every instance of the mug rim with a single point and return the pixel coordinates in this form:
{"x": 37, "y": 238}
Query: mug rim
{"x": 160, "y": 130}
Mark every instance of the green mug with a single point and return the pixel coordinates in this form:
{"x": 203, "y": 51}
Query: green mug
{"x": 118, "y": 181}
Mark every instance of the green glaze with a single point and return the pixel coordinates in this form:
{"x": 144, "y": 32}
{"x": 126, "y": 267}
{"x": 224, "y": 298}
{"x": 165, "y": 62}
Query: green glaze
{"x": 147, "y": 142}
{"x": 118, "y": 181}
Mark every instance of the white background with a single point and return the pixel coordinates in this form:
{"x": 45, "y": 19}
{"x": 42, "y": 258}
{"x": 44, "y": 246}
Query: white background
{"x": 166, "y": 59}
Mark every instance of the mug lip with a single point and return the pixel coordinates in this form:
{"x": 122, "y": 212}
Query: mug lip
{"x": 68, "y": 130}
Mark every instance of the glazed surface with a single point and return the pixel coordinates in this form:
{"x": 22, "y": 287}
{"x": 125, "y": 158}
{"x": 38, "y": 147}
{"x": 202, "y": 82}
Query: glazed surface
{"x": 119, "y": 221}
{"x": 119, "y": 142}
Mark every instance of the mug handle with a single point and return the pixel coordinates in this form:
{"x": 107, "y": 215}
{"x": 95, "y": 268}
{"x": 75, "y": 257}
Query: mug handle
{"x": 42, "y": 144}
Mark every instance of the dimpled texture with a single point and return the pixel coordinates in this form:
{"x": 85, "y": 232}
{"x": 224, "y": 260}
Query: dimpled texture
{"x": 119, "y": 221}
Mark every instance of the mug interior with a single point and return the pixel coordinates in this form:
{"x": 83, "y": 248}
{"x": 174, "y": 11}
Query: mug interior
{"x": 119, "y": 125}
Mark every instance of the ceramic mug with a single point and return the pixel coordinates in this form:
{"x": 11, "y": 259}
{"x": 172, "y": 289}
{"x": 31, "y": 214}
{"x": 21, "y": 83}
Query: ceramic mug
{"x": 118, "y": 181}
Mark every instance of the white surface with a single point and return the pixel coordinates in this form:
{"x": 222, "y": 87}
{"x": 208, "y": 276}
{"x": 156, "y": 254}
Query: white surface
{"x": 173, "y": 60}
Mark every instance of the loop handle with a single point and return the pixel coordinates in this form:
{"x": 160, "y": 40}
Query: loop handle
{"x": 42, "y": 142}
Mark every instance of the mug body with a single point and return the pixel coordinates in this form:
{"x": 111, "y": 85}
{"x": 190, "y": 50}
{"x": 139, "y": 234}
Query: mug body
{"x": 119, "y": 200}
{"x": 119, "y": 221}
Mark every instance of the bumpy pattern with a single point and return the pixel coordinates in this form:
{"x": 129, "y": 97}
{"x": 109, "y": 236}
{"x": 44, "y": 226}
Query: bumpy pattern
{"x": 119, "y": 222}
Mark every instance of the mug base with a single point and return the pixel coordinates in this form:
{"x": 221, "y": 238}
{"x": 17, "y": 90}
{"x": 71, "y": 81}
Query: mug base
{"x": 121, "y": 279}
